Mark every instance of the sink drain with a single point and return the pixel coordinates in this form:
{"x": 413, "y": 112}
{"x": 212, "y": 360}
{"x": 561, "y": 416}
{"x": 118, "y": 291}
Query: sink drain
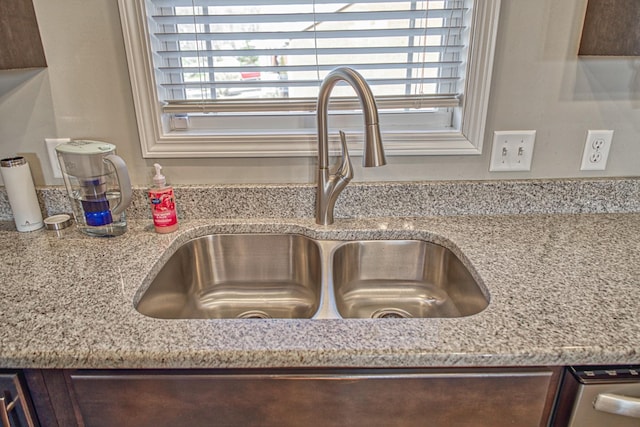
{"x": 253, "y": 314}
{"x": 390, "y": 313}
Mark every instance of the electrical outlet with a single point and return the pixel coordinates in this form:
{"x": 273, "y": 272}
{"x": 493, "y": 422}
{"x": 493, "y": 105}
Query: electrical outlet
{"x": 512, "y": 150}
{"x": 596, "y": 150}
{"x": 51, "y": 144}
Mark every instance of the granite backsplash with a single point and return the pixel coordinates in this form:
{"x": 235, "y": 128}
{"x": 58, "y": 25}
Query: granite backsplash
{"x": 383, "y": 199}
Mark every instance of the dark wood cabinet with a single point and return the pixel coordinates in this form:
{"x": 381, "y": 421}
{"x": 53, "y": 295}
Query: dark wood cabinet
{"x": 319, "y": 397}
{"x": 16, "y": 409}
{"x": 20, "y": 36}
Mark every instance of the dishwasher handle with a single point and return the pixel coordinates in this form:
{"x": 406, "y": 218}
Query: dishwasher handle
{"x": 617, "y": 404}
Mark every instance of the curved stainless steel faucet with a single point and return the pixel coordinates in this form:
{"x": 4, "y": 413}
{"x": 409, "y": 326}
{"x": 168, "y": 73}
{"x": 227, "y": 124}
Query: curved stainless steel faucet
{"x": 330, "y": 186}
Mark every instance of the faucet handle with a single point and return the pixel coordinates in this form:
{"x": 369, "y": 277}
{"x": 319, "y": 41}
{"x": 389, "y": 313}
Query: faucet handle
{"x": 345, "y": 171}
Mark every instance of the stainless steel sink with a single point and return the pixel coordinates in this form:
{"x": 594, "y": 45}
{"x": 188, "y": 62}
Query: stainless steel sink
{"x": 401, "y": 279}
{"x": 286, "y": 276}
{"x": 237, "y": 276}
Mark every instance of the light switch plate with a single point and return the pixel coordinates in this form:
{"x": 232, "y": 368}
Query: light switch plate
{"x": 512, "y": 150}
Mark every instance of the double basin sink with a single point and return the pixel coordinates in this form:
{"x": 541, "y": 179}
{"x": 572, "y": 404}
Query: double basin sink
{"x": 290, "y": 276}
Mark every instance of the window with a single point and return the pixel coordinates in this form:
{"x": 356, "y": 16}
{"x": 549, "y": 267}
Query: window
{"x": 240, "y": 77}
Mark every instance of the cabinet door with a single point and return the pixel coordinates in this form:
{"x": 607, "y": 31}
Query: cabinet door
{"x": 21, "y": 46}
{"x": 15, "y": 405}
{"x": 322, "y": 398}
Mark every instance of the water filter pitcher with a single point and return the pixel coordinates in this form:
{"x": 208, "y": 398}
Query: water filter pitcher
{"x": 98, "y": 184}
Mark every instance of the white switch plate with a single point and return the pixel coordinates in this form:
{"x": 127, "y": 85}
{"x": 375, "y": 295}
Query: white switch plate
{"x": 596, "y": 150}
{"x": 512, "y": 150}
{"x": 51, "y": 144}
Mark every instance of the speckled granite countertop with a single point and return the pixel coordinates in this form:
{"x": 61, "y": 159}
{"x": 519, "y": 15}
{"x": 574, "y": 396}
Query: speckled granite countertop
{"x": 564, "y": 290}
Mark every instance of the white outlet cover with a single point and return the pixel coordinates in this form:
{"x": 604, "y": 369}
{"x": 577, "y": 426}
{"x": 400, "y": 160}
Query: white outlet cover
{"x": 596, "y": 150}
{"x": 512, "y": 150}
{"x": 51, "y": 144}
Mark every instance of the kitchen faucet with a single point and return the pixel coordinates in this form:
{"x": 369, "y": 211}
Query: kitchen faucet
{"x": 330, "y": 186}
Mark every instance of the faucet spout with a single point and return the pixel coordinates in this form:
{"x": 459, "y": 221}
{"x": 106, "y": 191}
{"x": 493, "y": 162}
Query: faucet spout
{"x": 331, "y": 185}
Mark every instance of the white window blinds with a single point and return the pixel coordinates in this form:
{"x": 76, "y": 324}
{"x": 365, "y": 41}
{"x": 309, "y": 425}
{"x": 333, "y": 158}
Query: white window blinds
{"x": 270, "y": 55}
{"x": 239, "y": 78}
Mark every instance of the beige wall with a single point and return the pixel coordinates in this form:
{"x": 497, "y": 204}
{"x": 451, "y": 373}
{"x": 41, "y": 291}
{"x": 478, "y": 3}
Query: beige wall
{"x": 538, "y": 83}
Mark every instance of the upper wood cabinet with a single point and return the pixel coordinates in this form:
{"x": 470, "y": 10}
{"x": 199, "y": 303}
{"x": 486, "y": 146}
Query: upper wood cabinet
{"x": 19, "y": 36}
{"x": 611, "y": 28}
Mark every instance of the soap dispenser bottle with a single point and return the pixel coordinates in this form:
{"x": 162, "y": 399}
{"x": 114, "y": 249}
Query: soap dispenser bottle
{"x": 163, "y": 203}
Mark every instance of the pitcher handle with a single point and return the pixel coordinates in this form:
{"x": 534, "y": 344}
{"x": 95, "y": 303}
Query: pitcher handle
{"x": 122, "y": 173}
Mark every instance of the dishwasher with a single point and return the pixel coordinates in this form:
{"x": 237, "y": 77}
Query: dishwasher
{"x": 599, "y": 396}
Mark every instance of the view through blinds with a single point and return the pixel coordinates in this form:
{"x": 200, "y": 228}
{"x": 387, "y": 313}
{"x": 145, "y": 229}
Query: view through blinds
{"x": 265, "y": 55}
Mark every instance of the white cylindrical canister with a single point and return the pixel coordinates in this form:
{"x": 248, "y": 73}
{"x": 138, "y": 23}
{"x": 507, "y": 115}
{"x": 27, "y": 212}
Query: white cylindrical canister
{"x": 18, "y": 183}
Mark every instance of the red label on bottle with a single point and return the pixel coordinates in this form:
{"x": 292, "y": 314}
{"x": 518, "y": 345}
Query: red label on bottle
{"x": 163, "y": 207}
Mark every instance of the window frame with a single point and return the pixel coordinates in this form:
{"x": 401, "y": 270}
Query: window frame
{"x": 156, "y": 143}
